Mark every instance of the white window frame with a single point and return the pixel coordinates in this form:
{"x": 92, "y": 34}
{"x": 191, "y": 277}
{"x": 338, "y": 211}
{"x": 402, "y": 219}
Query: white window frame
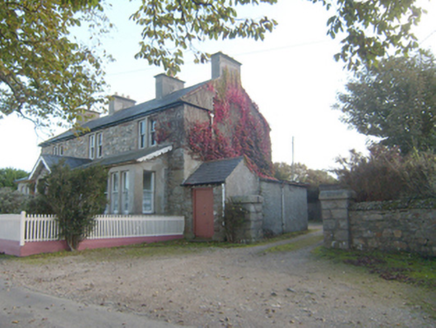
{"x": 125, "y": 192}
{"x": 55, "y": 150}
{"x": 152, "y": 133}
{"x": 61, "y": 150}
{"x": 115, "y": 187}
{"x": 92, "y": 146}
{"x": 142, "y": 134}
{"x": 99, "y": 142}
{"x": 148, "y": 194}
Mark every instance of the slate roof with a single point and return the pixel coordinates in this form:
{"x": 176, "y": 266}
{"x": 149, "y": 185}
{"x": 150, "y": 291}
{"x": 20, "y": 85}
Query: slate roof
{"x": 127, "y": 157}
{"x": 131, "y": 113}
{"x": 213, "y": 172}
{"x": 72, "y": 162}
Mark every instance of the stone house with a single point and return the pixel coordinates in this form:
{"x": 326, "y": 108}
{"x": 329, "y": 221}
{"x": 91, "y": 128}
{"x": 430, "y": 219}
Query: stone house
{"x": 162, "y": 154}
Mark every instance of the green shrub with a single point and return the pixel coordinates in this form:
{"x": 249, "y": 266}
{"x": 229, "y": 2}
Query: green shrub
{"x": 234, "y": 218}
{"x": 387, "y": 175}
{"x": 12, "y": 201}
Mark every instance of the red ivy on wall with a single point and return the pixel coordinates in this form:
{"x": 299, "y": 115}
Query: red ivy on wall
{"x": 238, "y": 129}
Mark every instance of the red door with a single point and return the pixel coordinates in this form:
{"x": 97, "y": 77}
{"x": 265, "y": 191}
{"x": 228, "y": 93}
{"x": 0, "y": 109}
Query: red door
{"x": 203, "y": 212}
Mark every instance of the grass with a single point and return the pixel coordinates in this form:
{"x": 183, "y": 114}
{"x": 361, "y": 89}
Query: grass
{"x": 294, "y": 246}
{"x": 403, "y": 267}
{"x": 168, "y": 248}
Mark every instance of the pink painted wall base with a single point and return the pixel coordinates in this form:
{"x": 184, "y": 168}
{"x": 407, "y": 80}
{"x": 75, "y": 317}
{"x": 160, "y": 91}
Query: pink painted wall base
{"x": 31, "y": 248}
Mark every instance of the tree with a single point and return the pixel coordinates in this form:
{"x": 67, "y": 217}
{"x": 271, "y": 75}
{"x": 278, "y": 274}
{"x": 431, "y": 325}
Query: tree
{"x": 302, "y": 174}
{"x": 9, "y": 175}
{"x": 395, "y": 101}
{"x": 371, "y": 28}
{"x": 12, "y": 201}
{"x": 75, "y": 197}
{"x": 45, "y": 75}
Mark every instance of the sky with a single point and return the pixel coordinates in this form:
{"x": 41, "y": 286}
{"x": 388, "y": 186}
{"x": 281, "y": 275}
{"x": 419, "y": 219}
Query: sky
{"x": 291, "y": 76}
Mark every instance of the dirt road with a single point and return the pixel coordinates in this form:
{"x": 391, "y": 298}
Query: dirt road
{"x": 242, "y": 287}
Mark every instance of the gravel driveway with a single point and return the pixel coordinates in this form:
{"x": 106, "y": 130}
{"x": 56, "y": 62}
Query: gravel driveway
{"x": 239, "y": 287}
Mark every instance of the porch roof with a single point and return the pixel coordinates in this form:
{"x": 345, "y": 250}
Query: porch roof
{"x": 213, "y": 172}
{"x": 48, "y": 161}
{"x": 133, "y": 156}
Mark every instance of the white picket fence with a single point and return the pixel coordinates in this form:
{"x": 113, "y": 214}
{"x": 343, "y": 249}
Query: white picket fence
{"x": 30, "y": 227}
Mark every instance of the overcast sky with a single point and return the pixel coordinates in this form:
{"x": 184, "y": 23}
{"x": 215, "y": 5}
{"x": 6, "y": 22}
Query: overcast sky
{"x": 291, "y": 75}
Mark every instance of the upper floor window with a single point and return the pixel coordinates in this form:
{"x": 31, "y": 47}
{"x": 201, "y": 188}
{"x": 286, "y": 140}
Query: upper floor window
{"x": 99, "y": 145}
{"x": 142, "y": 134}
{"x": 146, "y": 133}
{"x": 92, "y": 146}
{"x": 55, "y": 150}
{"x": 152, "y": 134}
{"x": 96, "y": 145}
{"x": 61, "y": 150}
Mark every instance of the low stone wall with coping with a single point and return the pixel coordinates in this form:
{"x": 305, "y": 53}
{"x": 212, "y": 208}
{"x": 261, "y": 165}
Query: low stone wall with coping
{"x": 251, "y": 230}
{"x": 386, "y": 226}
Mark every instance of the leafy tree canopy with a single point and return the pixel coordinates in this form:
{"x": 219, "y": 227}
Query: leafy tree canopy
{"x": 301, "y": 173}
{"x": 371, "y": 28}
{"x": 9, "y": 175}
{"x": 44, "y": 74}
{"x": 395, "y": 101}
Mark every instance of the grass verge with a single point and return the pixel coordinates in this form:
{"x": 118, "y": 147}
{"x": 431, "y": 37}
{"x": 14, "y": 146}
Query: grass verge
{"x": 294, "y": 246}
{"x": 402, "y": 267}
{"x": 168, "y": 248}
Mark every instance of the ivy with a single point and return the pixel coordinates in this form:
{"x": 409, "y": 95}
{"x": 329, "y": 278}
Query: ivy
{"x": 238, "y": 129}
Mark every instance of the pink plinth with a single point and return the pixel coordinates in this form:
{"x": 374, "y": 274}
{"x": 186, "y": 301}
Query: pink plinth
{"x": 30, "y": 248}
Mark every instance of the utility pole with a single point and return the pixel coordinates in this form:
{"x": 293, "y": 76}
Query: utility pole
{"x": 293, "y": 163}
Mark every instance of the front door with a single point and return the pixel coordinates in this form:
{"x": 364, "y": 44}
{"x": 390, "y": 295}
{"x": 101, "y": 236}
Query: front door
{"x": 203, "y": 212}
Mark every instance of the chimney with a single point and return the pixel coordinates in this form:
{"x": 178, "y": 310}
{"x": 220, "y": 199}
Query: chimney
{"x": 87, "y": 116}
{"x": 166, "y": 84}
{"x": 117, "y": 103}
{"x": 220, "y": 62}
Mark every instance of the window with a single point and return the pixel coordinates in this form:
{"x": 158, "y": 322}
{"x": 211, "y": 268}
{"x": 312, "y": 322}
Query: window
{"x": 99, "y": 145}
{"x": 125, "y": 192}
{"x": 92, "y": 146}
{"x": 141, "y": 134}
{"x": 148, "y": 192}
{"x": 61, "y": 150}
{"x": 114, "y": 197}
{"x": 152, "y": 134}
{"x": 55, "y": 150}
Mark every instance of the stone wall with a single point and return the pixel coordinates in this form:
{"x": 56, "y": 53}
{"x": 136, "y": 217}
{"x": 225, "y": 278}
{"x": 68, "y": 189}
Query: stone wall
{"x": 387, "y": 226}
{"x": 251, "y": 229}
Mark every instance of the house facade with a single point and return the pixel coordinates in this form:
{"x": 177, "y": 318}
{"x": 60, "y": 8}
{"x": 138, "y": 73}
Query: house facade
{"x": 154, "y": 150}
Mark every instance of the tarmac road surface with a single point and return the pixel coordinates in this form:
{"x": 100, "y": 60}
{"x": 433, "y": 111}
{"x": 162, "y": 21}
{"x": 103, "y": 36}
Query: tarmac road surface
{"x": 20, "y": 307}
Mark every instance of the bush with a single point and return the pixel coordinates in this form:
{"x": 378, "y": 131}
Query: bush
{"x": 12, "y": 201}
{"x": 75, "y": 197}
{"x": 234, "y": 218}
{"x": 386, "y": 175}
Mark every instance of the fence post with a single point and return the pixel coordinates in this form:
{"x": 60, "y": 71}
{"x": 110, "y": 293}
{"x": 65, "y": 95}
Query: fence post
{"x": 22, "y": 227}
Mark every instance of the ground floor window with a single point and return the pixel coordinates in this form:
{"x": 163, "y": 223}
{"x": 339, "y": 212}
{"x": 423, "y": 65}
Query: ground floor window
{"x": 115, "y": 180}
{"x": 125, "y": 191}
{"x": 148, "y": 192}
